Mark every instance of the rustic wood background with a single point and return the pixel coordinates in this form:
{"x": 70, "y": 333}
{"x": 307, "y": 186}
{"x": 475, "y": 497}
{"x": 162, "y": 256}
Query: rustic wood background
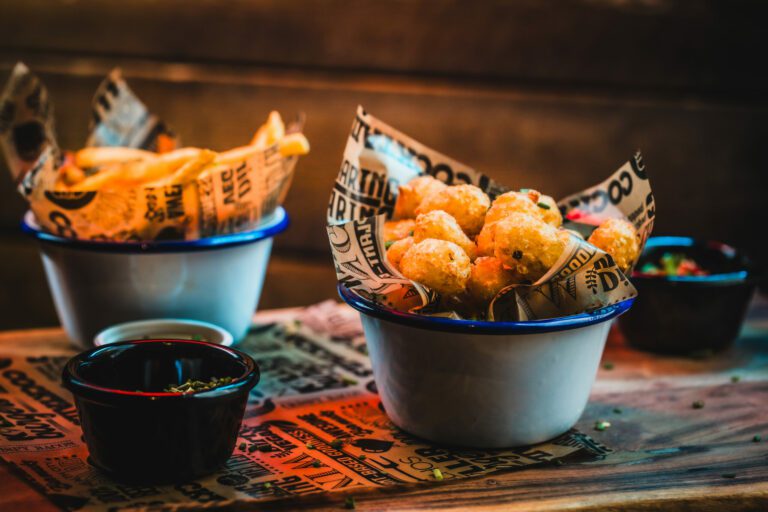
{"x": 541, "y": 93}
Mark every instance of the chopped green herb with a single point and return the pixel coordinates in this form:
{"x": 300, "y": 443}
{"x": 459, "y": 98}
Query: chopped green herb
{"x": 698, "y": 404}
{"x": 728, "y": 475}
{"x": 518, "y": 255}
{"x": 337, "y": 443}
{"x": 735, "y": 379}
{"x": 438, "y": 474}
{"x": 192, "y": 386}
{"x": 242, "y": 446}
{"x": 608, "y": 365}
{"x": 363, "y": 457}
{"x": 310, "y": 446}
{"x": 316, "y": 464}
{"x": 602, "y": 425}
{"x": 389, "y": 243}
{"x": 197, "y": 337}
{"x": 543, "y": 206}
{"x": 410, "y": 233}
{"x": 348, "y": 381}
{"x": 757, "y": 439}
{"x": 349, "y": 503}
{"x": 267, "y": 485}
{"x": 616, "y": 410}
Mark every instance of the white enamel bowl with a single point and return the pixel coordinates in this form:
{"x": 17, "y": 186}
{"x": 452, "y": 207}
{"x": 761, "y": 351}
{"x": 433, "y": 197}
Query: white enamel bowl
{"x": 98, "y": 284}
{"x": 483, "y": 384}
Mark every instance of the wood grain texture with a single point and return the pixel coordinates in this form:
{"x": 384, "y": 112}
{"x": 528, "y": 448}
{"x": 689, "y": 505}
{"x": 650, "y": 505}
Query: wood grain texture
{"x": 710, "y": 45}
{"x": 667, "y": 455}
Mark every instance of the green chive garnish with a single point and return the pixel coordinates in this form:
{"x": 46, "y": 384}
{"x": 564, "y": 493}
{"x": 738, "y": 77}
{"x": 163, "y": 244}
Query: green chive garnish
{"x": 602, "y": 425}
{"x": 438, "y": 474}
{"x": 310, "y": 446}
{"x": 698, "y": 404}
{"x": 543, "y": 206}
{"x": 363, "y": 457}
{"x": 389, "y": 243}
{"x": 735, "y": 379}
{"x": 757, "y": 439}
{"x": 316, "y": 464}
{"x": 608, "y": 365}
{"x": 267, "y": 485}
{"x": 336, "y": 443}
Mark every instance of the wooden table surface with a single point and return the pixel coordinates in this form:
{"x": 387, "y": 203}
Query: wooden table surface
{"x": 666, "y": 453}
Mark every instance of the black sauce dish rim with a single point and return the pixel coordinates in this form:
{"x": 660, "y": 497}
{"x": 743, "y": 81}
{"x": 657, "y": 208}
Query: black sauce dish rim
{"x": 75, "y": 382}
{"x": 138, "y": 433}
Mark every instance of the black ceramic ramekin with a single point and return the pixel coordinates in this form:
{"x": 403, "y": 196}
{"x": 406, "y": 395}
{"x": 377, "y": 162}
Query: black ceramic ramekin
{"x": 138, "y": 433}
{"x": 688, "y": 315}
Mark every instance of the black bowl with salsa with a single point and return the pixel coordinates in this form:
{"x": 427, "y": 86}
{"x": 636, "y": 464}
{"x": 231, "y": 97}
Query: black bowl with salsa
{"x": 692, "y": 296}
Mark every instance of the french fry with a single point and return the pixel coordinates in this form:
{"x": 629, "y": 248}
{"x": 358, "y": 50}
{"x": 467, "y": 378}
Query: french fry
{"x": 294, "y": 144}
{"x": 160, "y": 166}
{"x": 190, "y": 170}
{"x": 97, "y": 157}
{"x": 270, "y": 132}
{"x": 101, "y": 180}
{"x": 236, "y": 155}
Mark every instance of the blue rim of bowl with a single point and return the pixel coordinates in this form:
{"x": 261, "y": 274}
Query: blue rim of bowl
{"x": 434, "y": 323}
{"x": 276, "y": 223}
{"x": 81, "y": 388}
{"x": 741, "y": 276}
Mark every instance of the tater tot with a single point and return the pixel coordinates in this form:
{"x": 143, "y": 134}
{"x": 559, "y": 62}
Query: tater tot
{"x": 438, "y": 264}
{"x": 398, "y": 229}
{"x": 527, "y": 245}
{"x": 618, "y": 238}
{"x": 397, "y": 249}
{"x": 488, "y": 276}
{"x": 550, "y": 213}
{"x": 484, "y": 240}
{"x": 465, "y": 203}
{"x": 441, "y": 226}
{"x": 410, "y": 195}
{"x": 513, "y": 202}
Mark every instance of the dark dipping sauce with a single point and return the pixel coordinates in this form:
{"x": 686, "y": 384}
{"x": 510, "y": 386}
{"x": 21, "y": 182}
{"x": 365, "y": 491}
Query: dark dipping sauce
{"x": 152, "y": 436}
{"x": 690, "y": 314}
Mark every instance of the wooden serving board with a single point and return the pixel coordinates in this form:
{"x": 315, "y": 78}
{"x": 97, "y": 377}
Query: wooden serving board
{"x": 667, "y": 454}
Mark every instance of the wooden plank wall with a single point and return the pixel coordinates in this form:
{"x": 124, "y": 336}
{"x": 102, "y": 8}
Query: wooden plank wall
{"x": 539, "y": 93}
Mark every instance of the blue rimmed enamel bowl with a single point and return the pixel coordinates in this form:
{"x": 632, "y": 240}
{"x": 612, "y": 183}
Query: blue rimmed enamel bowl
{"x": 98, "y": 284}
{"x": 483, "y": 384}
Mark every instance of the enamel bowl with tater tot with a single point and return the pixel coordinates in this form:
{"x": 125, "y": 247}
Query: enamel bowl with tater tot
{"x": 458, "y": 375}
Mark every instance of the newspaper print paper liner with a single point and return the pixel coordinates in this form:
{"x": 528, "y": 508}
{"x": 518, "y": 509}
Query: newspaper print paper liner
{"x": 225, "y": 199}
{"x": 316, "y": 388}
{"x": 378, "y": 158}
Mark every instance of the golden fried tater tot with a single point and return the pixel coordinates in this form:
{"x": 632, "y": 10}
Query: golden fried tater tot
{"x": 438, "y": 264}
{"x": 441, "y": 226}
{"x": 465, "y": 203}
{"x": 397, "y": 249}
{"x": 618, "y": 238}
{"x": 411, "y": 195}
{"x": 487, "y": 278}
{"x": 527, "y": 245}
{"x": 511, "y": 202}
{"x": 549, "y": 211}
{"x": 398, "y": 229}
{"x": 98, "y": 156}
{"x": 485, "y": 238}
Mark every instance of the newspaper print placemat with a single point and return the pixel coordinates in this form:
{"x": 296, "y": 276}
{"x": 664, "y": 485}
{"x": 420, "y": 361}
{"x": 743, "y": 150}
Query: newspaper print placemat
{"x": 314, "y": 424}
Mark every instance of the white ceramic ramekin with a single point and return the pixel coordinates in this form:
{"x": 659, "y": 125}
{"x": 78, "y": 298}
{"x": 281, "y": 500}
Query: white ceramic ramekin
{"x": 483, "y": 384}
{"x": 163, "y": 328}
{"x": 99, "y": 284}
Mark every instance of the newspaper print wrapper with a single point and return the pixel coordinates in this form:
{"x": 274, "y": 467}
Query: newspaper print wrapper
{"x": 314, "y": 424}
{"x": 378, "y": 158}
{"x": 223, "y": 199}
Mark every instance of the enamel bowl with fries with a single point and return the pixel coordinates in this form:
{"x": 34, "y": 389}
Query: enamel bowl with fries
{"x": 128, "y": 234}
